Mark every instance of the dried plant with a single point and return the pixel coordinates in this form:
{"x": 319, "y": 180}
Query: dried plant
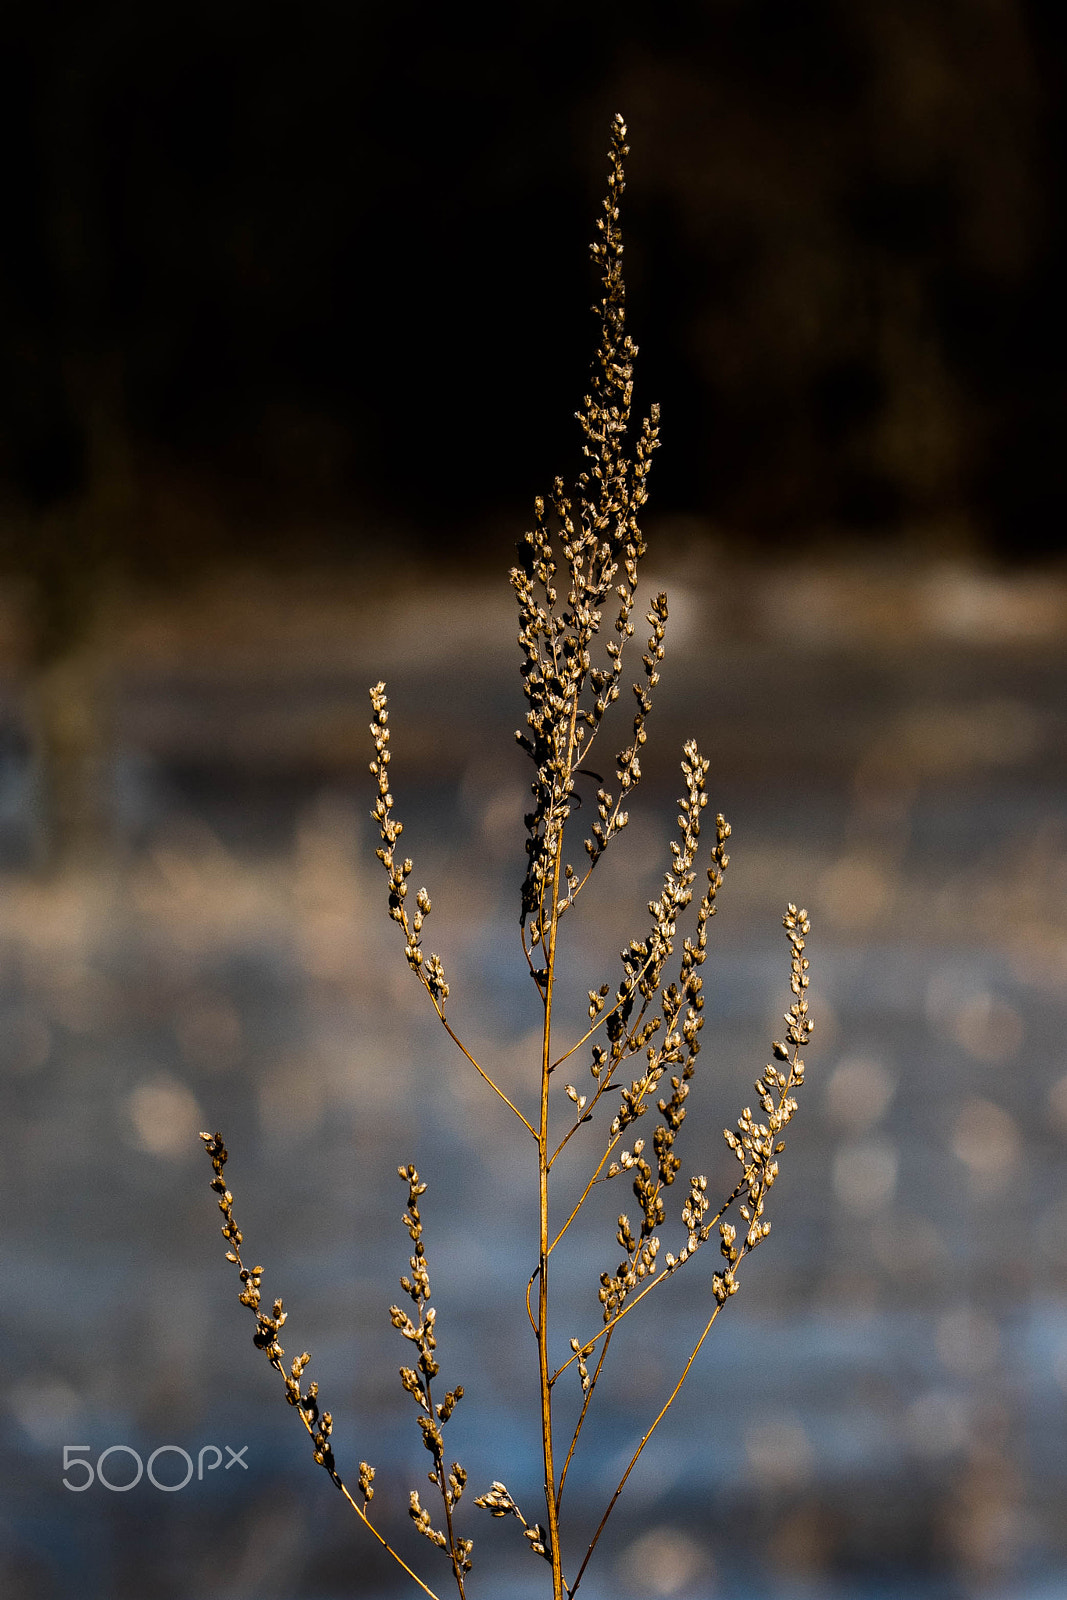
{"x": 643, "y": 1032}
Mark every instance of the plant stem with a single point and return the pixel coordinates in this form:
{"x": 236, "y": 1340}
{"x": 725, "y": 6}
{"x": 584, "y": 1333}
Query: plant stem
{"x": 363, "y": 1517}
{"x": 458, "y": 1041}
{"x": 442, "y": 1484}
{"x": 585, "y": 1408}
{"x": 636, "y": 1455}
{"x": 661, "y": 1277}
{"x": 559, "y": 1588}
{"x": 552, "y": 1509}
{"x": 585, "y": 1192}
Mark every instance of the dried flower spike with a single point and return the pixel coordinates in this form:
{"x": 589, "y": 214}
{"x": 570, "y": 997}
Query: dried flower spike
{"x": 576, "y": 583}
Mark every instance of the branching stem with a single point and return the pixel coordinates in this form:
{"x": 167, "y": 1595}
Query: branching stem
{"x": 442, "y": 1484}
{"x": 581, "y": 557}
{"x": 585, "y": 1192}
{"x": 459, "y": 1042}
{"x": 552, "y": 1509}
{"x": 637, "y": 1453}
{"x": 581, "y": 1418}
{"x": 653, "y": 1283}
{"x": 363, "y": 1517}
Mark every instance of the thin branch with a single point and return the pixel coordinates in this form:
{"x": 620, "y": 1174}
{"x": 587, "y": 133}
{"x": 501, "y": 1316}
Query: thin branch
{"x": 627, "y": 1052}
{"x": 442, "y": 1484}
{"x": 267, "y": 1340}
{"x": 459, "y": 1043}
{"x": 604, "y": 1015}
{"x": 585, "y": 1192}
{"x": 529, "y": 1286}
{"x": 581, "y": 1419}
{"x": 362, "y": 1515}
{"x": 580, "y": 1120}
{"x": 526, "y": 950}
{"x": 667, "y": 1272}
{"x": 637, "y": 1453}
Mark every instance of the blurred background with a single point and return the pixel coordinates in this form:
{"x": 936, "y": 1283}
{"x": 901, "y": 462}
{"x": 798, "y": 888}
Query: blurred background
{"x": 294, "y": 318}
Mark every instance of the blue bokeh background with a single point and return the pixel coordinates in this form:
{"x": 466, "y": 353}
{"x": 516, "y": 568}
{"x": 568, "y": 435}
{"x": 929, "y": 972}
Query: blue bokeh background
{"x": 879, "y": 1412}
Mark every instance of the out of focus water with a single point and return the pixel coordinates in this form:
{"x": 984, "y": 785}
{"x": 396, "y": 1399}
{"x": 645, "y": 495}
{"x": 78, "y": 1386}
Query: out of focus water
{"x": 880, "y": 1412}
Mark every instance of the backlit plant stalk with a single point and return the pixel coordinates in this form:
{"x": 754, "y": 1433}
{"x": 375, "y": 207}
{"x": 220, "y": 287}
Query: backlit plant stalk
{"x": 578, "y": 565}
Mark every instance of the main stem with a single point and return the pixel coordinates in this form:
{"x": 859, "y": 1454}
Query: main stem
{"x": 558, "y": 1588}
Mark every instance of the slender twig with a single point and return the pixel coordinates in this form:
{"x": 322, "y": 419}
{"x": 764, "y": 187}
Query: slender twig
{"x": 494, "y": 1086}
{"x": 266, "y": 1339}
{"x": 637, "y": 1453}
{"x": 367, "y": 1523}
{"x": 603, "y": 1017}
{"x": 585, "y": 1192}
{"x": 586, "y": 1398}
{"x": 661, "y": 1277}
{"x": 626, "y": 1052}
{"x": 442, "y": 1484}
{"x": 757, "y": 1180}
{"x": 529, "y": 1286}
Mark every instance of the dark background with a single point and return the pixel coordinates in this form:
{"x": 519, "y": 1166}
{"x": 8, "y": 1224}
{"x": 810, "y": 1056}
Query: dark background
{"x": 277, "y": 275}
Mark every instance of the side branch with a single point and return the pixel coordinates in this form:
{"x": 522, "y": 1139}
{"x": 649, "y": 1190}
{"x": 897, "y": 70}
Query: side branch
{"x": 367, "y": 1523}
{"x": 628, "y": 991}
{"x": 667, "y": 1272}
{"x": 319, "y": 1426}
{"x": 756, "y": 1146}
{"x": 585, "y": 1192}
{"x": 647, "y": 1436}
{"x": 458, "y": 1042}
{"x": 588, "y": 1384}
{"x": 429, "y": 970}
